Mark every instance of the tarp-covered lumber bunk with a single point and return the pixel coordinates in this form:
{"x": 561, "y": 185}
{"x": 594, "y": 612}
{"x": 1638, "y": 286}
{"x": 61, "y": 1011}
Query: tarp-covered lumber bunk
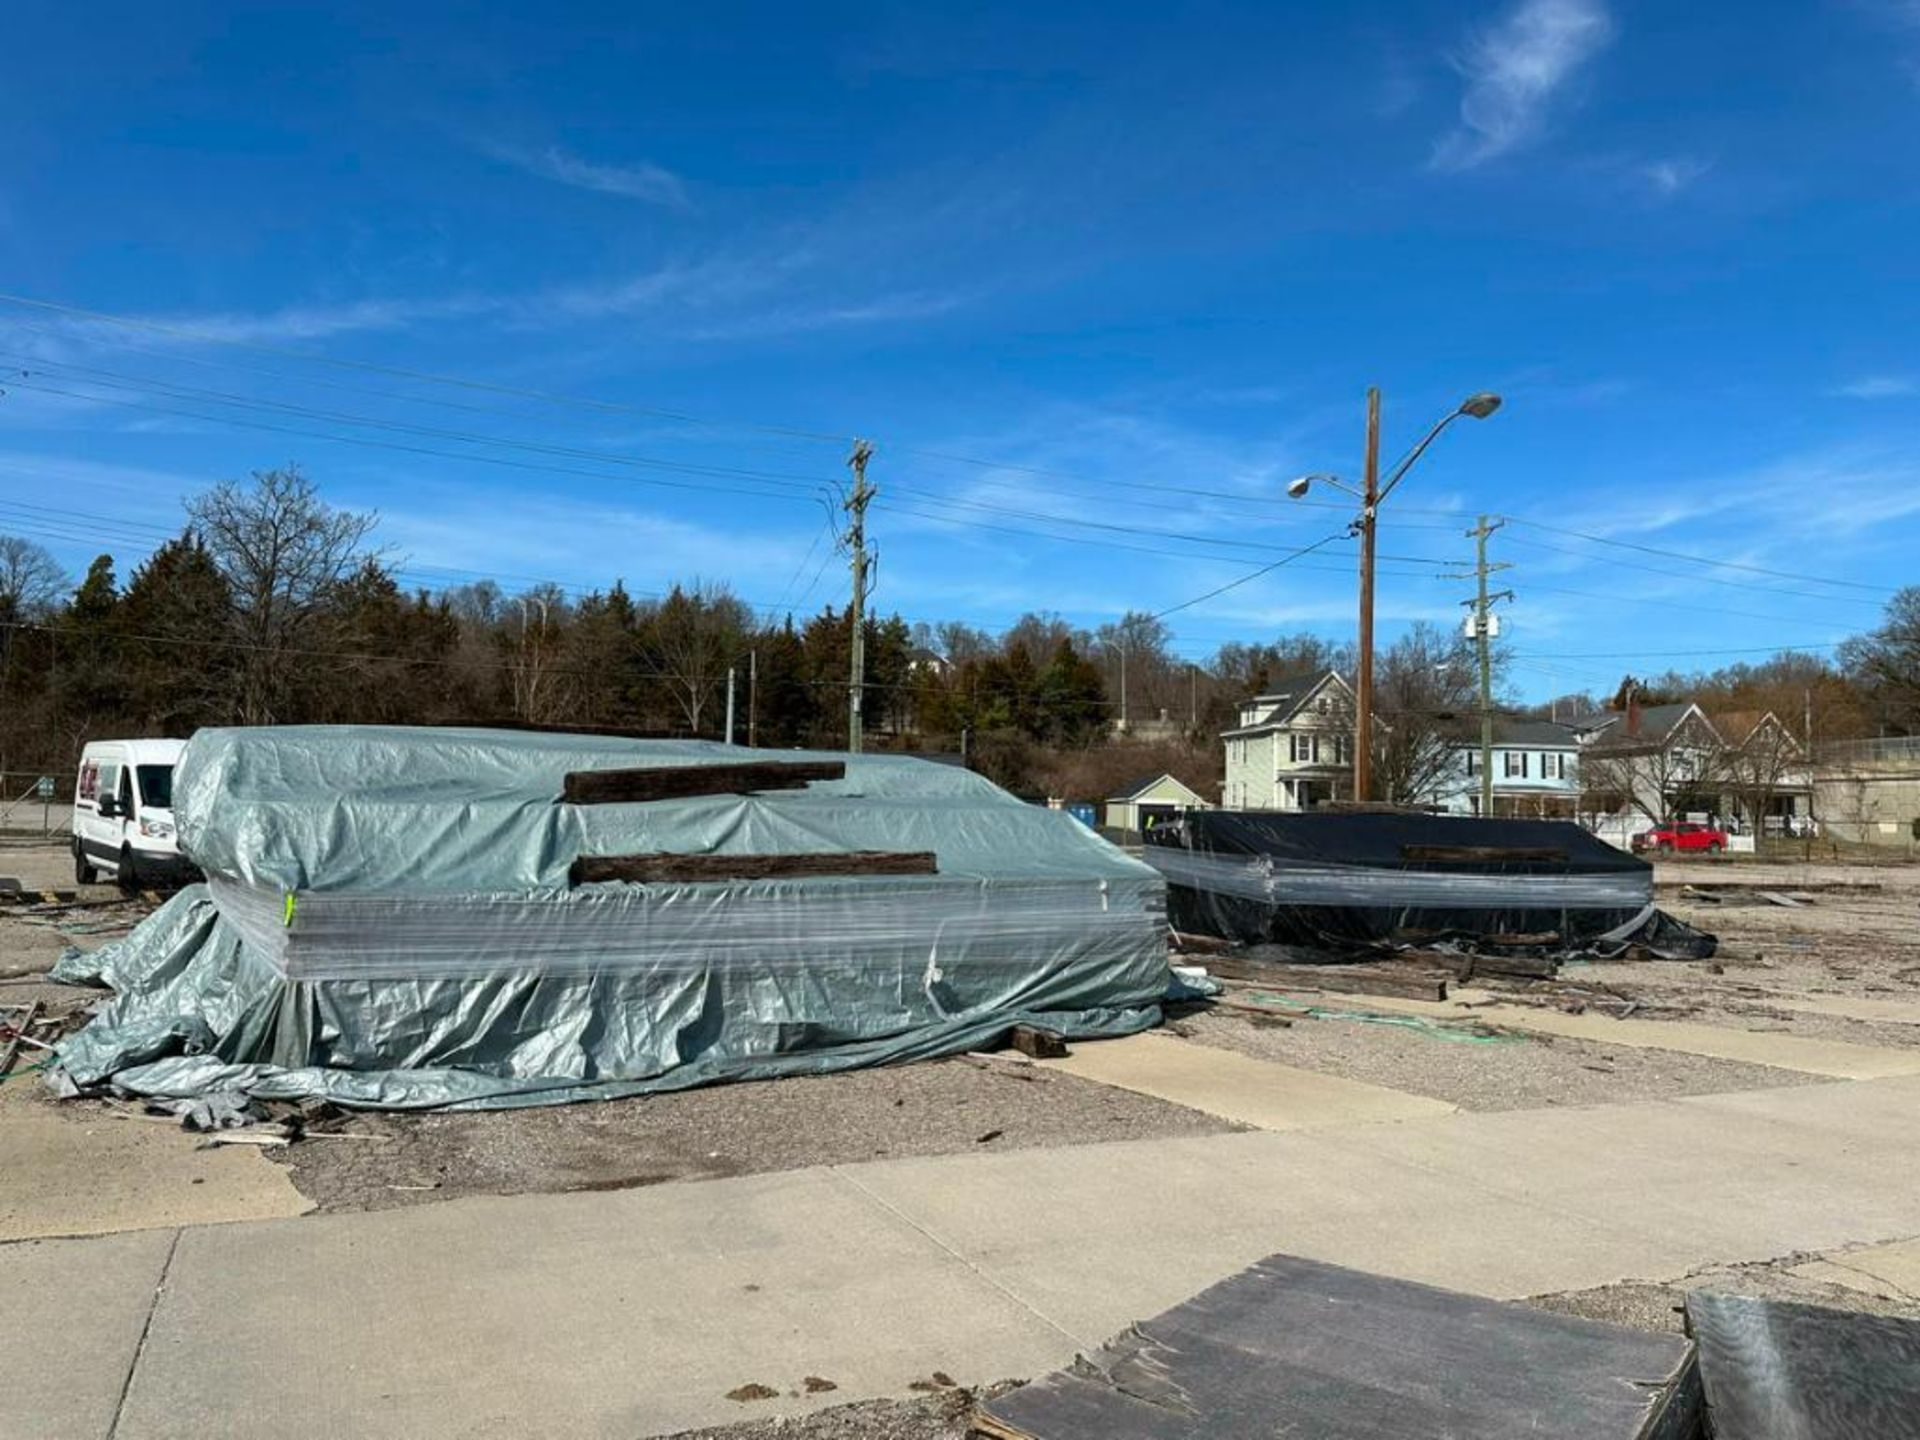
{"x": 418, "y": 918}
{"x": 1354, "y": 880}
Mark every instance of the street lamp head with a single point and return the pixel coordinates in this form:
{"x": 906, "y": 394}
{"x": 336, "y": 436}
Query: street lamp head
{"x": 1299, "y": 487}
{"x": 1481, "y": 405}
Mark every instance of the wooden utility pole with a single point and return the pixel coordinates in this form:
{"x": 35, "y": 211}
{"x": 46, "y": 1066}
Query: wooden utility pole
{"x": 1483, "y": 640}
{"x": 1363, "y": 679}
{"x": 857, "y": 543}
{"x": 753, "y": 698}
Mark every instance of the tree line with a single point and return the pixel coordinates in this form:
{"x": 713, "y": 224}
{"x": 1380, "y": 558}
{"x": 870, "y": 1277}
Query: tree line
{"x": 273, "y": 607}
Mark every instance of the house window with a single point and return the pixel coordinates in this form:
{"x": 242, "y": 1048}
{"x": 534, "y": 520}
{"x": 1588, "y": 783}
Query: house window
{"x": 1553, "y": 766}
{"x": 1305, "y": 749}
{"x": 1342, "y": 749}
{"x": 1514, "y": 764}
{"x": 1473, "y": 763}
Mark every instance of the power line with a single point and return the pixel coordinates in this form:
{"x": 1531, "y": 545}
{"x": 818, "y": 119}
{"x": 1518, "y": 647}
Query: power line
{"x": 314, "y": 357}
{"x": 1249, "y": 576}
{"x": 1699, "y": 559}
{"x": 813, "y": 485}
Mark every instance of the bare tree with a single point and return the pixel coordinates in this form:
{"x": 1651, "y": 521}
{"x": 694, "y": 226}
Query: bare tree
{"x": 31, "y": 580}
{"x": 1424, "y": 695}
{"x": 284, "y": 551}
{"x": 535, "y": 653}
{"x": 697, "y": 633}
{"x": 1757, "y": 765}
{"x": 1648, "y": 773}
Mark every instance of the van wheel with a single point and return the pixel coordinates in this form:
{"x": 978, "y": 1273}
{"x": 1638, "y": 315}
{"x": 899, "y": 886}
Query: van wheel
{"x": 128, "y": 878}
{"x": 83, "y": 873}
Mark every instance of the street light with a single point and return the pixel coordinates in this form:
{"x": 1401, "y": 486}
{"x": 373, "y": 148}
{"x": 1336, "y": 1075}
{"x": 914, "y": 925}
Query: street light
{"x": 1477, "y": 406}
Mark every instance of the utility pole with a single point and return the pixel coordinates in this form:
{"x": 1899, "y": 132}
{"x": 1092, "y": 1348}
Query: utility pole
{"x": 1482, "y": 604}
{"x": 753, "y": 698}
{"x": 730, "y": 670}
{"x": 1363, "y": 680}
{"x": 857, "y": 543}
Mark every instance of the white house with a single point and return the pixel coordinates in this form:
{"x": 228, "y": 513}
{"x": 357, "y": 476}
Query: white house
{"x": 1150, "y": 799}
{"x": 1293, "y": 747}
{"x": 1536, "y": 772}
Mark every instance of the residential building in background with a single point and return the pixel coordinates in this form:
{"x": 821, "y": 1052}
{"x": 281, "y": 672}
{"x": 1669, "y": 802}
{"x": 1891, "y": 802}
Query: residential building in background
{"x": 1536, "y": 772}
{"x": 1293, "y": 747}
{"x": 1150, "y": 800}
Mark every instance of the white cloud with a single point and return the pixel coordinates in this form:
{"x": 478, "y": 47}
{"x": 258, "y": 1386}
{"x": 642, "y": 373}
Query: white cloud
{"x": 1513, "y": 73}
{"x": 1879, "y": 387}
{"x": 1674, "y": 174}
{"x": 636, "y": 180}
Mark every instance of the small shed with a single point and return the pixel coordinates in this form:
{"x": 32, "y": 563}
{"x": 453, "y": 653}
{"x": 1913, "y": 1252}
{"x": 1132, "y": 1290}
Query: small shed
{"x": 1151, "y": 799}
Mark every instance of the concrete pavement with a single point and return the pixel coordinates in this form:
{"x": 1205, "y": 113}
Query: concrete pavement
{"x": 634, "y": 1313}
{"x": 1236, "y": 1087}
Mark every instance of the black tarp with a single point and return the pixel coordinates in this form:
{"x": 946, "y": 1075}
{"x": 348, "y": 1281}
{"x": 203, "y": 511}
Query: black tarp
{"x": 1297, "y": 1347}
{"x": 1776, "y": 1370}
{"x": 1362, "y": 879}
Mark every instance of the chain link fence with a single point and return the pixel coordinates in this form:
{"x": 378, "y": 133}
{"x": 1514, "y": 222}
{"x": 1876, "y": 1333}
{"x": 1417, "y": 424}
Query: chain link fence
{"x": 35, "y": 803}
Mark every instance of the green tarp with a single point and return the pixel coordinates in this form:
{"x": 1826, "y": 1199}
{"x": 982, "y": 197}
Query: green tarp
{"x": 387, "y": 922}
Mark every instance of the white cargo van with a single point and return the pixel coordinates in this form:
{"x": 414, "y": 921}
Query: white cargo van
{"x": 123, "y": 814}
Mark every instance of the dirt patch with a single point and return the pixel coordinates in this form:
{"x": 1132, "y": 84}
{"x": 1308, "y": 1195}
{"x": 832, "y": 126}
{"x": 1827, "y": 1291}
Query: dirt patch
{"x": 1646, "y": 1306}
{"x": 936, "y": 1417}
{"x": 1508, "y": 1073}
{"x": 935, "y": 1108}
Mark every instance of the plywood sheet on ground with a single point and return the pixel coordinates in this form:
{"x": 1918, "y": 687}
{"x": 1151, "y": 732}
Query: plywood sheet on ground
{"x": 1838, "y": 1059}
{"x": 76, "y": 1169}
{"x": 1236, "y": 1087}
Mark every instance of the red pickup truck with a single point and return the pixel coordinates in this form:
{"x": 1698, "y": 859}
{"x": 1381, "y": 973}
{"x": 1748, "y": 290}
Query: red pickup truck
{"x": 1682, "y": 835}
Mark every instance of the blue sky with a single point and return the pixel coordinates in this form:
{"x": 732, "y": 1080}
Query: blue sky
{"x": 1096, "y": 280}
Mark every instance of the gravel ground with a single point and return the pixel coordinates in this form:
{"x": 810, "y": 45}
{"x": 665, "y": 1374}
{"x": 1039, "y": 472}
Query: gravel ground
{"x": 1657, "y": 1307}
{"x": 1524, "y": 1073}
{"x": 937, "y": 1417}
{"x": 935, "y": 1108}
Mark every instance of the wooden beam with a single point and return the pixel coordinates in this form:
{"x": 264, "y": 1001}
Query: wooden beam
{"x": 1485, "y": 854}
{"x": 677, "y": 782}
{"x": 1039, "y": 1044}
{"x": 666, "y": 868}
{"x": 1409, "y": 984}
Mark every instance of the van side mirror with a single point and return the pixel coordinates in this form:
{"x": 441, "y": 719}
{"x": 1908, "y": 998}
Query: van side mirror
{"x": 108, "y": 809}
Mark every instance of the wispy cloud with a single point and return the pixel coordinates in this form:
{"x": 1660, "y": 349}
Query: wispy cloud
{"x": 1514, "y": 72}
{"x": 1879, "y": 387}
{"x": 633, "y": 180}
{"x": 1673, "y": 174}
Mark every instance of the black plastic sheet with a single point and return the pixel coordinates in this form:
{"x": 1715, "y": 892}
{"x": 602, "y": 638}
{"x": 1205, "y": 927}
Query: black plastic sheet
{"x": 1361, "y": 880}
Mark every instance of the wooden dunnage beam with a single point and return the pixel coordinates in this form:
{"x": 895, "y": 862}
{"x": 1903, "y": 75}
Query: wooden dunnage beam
{"x": 1407, "y": 983}
{"x": 1485, "y": 854}
{"x": 677, "y": 782}
{"x": 699, "y": 869}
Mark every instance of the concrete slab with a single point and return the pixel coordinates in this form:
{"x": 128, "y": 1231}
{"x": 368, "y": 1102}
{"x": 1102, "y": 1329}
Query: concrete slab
{"x": 1838, "y": 1059}
{"x": 75, "y": 1169}
{"x": 1877, "y": 1269}
{"x": 1236, "y": 1087}
{"x": 1847, "y": 1007}
{"x": 625, "y": 1314}
{"x": 635, "y": 1313}
{"x": 77, "y": 1310}
{"x": 1127, "y": 1230}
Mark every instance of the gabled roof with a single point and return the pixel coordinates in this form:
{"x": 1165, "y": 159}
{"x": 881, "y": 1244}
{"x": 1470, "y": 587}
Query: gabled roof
{"x": 1287, "y": 695}
{"x": 1737, "y": 727}
{"x": 1657, "y": 723}
{"x": 1146, "y": 782}
{"x": 1522, "y": 730}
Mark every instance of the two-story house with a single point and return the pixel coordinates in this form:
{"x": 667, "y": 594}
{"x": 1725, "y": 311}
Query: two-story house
{"x": 1536, "y": 771}
{"x": 1293, "y": 747}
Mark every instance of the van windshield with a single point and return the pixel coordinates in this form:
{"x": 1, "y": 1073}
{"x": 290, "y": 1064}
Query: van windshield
{"x": 156, "y": 786}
